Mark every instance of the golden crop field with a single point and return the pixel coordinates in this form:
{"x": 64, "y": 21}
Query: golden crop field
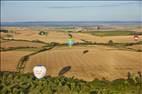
{"x": 61, "y": 37}
{"x": 10, "y": 59}
{"x": 20, "y": 44}
{"x": 97, "y": 62}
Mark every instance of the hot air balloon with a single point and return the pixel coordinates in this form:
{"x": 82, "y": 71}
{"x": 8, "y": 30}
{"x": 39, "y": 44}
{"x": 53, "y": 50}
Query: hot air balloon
{"x": 39, "y": 71}
{"x": 136, "y": 37}
{"x": 70, "y": 42}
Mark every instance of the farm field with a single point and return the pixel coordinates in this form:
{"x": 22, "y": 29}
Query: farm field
{"x": 68, "y": 47}
{"x": 9, "y": 60}
{"x": 8, "y": 44}
{"x": 98, "y": 62}
{"x": 61, "y": 37}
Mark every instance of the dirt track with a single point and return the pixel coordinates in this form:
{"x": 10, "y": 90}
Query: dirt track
{"x": 9, "y": 60}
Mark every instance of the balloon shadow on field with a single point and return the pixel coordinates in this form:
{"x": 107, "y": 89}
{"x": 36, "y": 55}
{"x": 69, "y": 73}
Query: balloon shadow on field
{"x": 64, "y": 70}
{"x": 85, "y": 51}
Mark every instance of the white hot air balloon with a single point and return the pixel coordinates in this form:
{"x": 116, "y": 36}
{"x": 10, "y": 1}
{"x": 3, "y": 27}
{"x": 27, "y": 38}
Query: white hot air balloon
{"x": 39, "y": 71}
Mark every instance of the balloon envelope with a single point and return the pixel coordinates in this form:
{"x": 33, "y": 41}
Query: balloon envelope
{"x": 39, "y": 71}
{"x": 136, "y": 37}
{"x": 70, "y": 42}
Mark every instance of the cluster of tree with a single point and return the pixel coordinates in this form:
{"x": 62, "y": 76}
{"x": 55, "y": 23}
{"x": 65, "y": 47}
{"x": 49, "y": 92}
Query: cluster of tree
{"x": 16, "y": 83}
{"x": 137, "y": 33}
{"x": 110, "y": 43}
{"x": 43, "y": 33}
{"x": 4, "y": 31}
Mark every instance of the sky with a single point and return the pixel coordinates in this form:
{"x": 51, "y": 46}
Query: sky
{"x": 21, "y": 11}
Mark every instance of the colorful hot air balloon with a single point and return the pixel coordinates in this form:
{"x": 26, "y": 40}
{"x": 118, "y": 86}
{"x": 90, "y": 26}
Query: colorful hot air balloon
{"x": 70, "y": 42}
{"x": 39, "y": 71}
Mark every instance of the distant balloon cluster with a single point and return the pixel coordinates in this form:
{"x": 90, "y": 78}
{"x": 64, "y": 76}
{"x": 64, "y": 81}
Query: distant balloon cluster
{"x": 39, "y": 71}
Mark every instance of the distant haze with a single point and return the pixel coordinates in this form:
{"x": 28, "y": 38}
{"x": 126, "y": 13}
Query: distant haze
{"x": 23, "y": 11}
{"x": 71, "y": 23}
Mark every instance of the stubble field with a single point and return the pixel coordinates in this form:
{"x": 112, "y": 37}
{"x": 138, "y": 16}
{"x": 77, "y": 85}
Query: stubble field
{"x": 99, "y": 61}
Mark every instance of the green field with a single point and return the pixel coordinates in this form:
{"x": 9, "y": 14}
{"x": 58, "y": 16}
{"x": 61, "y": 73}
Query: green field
{"x": 112, "y": 33}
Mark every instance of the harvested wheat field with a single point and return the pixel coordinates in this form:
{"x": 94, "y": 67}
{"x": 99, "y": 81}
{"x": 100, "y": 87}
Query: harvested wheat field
{"x": 83, "y": 62}
{"x": 99, "y": 62}
{"x": 138, "y": 47}
{"x": 10, "y": 59}
{"x": 61, "y": 37}
{"x": 7, "y": 44}
{"x": 104, "y": 39}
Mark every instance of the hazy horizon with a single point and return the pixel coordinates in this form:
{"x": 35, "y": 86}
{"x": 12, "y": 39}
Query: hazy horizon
{"x": 39, "y": 11}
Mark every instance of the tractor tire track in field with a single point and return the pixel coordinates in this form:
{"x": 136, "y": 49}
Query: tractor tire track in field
{"x": 22, "y": 62}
